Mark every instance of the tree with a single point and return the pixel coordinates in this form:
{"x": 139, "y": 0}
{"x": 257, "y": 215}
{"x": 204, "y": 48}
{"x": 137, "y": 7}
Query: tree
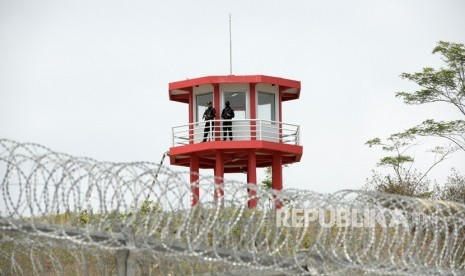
{"x": 445, "y": 85}
{"x": 405, "y": 180}
{"x": 267, "y": 183}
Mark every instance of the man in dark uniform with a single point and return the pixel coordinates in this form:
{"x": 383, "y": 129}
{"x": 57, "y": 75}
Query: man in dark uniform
{"x": 227, "y": 115}
{"x": 208, "y": 115}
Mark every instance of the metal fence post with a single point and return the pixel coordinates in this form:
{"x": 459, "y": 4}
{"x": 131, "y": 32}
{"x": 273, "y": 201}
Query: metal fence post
{"x": 125, "y": 263}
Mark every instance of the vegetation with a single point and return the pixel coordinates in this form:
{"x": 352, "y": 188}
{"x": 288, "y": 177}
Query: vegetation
{"x": 444, "y": 85}
{"x": 233, "y": 228}
{"x": 453, "y": 189}
{"x": 148, "y": 220}
{"x": 267, "y": 183}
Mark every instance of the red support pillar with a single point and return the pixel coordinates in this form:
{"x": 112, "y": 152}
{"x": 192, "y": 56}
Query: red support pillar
{"x": 277, "y": 177}
{"x": 219, "y": 177}
{"x": 194, "y": 168}
{"x": 253, "y": 110}
{"x": 252, "y": 179}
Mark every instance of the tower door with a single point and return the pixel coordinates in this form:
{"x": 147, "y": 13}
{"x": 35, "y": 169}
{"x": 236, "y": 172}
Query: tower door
{"x": 266, "y": 112}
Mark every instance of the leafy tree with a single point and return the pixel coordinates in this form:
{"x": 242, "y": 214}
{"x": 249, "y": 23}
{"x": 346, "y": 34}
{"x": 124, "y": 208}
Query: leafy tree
{"x": 445, "y": 85}
{"x": 267, "y": 183}
{"x": 405, "y": 180}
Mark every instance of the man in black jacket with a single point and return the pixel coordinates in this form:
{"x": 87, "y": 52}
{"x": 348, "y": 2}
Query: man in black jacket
{"x": 208, "y": 115}
{"x": 227, "y": 115}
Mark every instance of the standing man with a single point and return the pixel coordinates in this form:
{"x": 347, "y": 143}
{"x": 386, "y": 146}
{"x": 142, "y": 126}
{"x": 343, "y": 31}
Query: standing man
{"x": 208, "y": 115}
{"x": 227, "y": 115}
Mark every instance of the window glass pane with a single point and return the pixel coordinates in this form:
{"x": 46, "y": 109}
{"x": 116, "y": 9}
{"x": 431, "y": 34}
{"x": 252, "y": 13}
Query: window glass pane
{"x": 201, "y": 105}
{"x": 237, "y": 101}
{"x": 266, "y": 106}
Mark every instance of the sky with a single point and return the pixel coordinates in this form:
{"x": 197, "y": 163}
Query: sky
{"x": 90, "y": 78}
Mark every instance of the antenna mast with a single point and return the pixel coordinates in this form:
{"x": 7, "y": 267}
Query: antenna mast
{"x": 230, "y": 47}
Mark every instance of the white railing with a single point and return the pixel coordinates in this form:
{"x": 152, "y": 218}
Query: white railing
{"x": 242, "y": 130}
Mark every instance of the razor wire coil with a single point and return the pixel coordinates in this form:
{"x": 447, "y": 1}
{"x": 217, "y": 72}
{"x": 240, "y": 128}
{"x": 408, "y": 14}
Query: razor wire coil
{"x": 59, "y": 212}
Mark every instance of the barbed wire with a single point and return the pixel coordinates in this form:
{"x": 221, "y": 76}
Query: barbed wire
{"x": 64, "y": 215}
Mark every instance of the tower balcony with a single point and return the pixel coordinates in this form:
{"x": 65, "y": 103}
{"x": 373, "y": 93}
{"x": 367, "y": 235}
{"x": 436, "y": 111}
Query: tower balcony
{"x": 241, "y": 130}
{"x": 263, "y": 137}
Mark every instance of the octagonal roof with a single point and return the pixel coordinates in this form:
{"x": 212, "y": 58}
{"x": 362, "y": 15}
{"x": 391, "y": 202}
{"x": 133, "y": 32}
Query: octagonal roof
{"x": 179, "y": 90}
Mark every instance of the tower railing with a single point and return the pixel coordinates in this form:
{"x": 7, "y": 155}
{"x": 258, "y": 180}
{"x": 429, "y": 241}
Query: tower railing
{"x": 241, "y": 130}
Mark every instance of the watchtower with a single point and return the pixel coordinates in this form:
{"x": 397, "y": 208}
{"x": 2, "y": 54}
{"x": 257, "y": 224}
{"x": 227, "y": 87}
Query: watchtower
{"x": 260, "y": 137}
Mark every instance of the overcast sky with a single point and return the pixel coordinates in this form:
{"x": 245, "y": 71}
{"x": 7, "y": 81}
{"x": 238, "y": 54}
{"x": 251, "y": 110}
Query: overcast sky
{"x": 91, "y": 77}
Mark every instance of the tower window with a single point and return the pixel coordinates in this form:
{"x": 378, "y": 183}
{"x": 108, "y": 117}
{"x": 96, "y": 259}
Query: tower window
{"x": 238, "y": 103}
{"x": 266, "y": 106}
{"x": 201, "y": 104}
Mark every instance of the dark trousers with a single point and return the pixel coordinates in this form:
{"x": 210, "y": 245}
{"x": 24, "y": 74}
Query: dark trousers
{"x": 227, "y": 130}
{"x": 206, "y": 130}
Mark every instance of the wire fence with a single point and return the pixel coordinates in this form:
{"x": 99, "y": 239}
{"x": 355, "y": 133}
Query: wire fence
{"x": 65, "y": 215}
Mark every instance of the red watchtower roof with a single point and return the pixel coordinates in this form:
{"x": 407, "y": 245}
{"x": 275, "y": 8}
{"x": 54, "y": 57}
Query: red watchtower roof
{"x": 179, "y": 90}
